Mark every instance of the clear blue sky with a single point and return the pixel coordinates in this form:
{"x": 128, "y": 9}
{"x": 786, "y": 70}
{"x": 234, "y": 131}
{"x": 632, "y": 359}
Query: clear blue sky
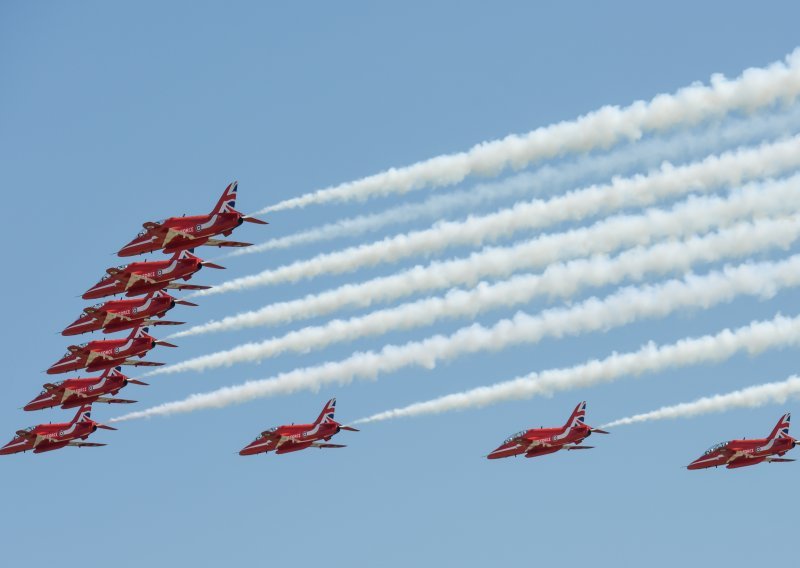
{"x": 112, "y": 114}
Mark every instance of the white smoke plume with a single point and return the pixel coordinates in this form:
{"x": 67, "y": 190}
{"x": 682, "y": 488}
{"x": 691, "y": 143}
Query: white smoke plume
{"x": 730, "y": 168}
{"x": 549, "y": 179}
{"x": 695, "y": 215}
{"x": 754, "y": 339}
{"x": 623, "y": 307}
{"x": 750, "y": 397}
{"x": 755, "y": 88}
{"x": 562, "y": 279}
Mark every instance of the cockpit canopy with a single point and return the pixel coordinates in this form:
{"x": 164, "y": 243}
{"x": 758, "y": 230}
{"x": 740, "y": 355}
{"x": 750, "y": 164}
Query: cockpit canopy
{"x": 143, "y": 232}
{"x": 513, "y": 437}
{"x": 95, "y": 307}
{"x": 716, "y": 447}
{"x": 266, "y": 433}
{"x": 45, "y": 391}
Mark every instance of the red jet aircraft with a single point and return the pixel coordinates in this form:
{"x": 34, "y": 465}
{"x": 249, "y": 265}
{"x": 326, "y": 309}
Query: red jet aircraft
{"x": 541, "y": 441}
{"x": 181, "y": 233}
{"x": 106, "y": 353}
{"x": 46, "y": 437}
{"x": 290, "y": 438}
{"x": 83, "y": 390}
{"x": 142, "y": 277}
{"x": 741, "y": 453}
{"x": 117, "y": 315}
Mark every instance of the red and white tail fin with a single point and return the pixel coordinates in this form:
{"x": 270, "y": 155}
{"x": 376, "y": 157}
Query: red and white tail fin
{"x": 578, "y": 416}
{"x": 137, "y": 332}
{"x": 781, "y": 429}
{"x": 327, "y": 413}
{"x": 227, "y": 201}
{"x": 84, "y": 413}
{"x": 184, "y": 254}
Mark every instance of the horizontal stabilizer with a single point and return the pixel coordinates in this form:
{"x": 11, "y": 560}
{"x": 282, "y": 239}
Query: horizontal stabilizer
{"x": 221, "y": 243}
{"x": 138, "y": 382}
{"x": 85, "y": 444}
{"x": 780, "y": 460}
{"x": 186, "y": 303}
{"x": 328, "y": 445}
{"x": 212, "y": 265}
{"x": 249, "y": 219}
{"x": 579, "y": 447}
{"x": 162, "y": 322}
{"x": 110, "y": 400}
{"x": 165, "y": 343}
{"x": 176, "y": 286}
{"x": 133, "y": 363}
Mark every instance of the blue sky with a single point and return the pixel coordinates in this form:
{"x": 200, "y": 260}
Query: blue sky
{"x": 113, "y": 114}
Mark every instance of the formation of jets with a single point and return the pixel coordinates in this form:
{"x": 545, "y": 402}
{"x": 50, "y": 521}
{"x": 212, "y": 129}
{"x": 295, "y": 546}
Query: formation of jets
{"x": 144, "y": 285}
{"x": 146, "y": 304}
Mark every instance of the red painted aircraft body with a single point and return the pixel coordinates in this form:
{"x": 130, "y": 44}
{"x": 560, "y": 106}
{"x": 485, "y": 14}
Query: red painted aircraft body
{"x": 182, "y": 233}
{"x": 139, "y": 278}
{"x": 118, "y": 315}
{"x": 742, "y": 453}
{"x": 106, "y": 353}
{"x": 294, "y": 437}
{"x": 47, "y": 437}
{"x": 78, "y": 391}
{"x": 541, "y": 441}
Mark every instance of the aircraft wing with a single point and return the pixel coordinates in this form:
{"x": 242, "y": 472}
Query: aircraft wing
{"x": 318, "y": 445}
{"x": 85, "y": 444}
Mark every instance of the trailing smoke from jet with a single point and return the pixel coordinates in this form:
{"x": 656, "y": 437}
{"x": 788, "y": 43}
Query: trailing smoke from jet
{"x": 627, "y": 305}
{"x": 694, "y": 215}
{"x": 564, "y": 279}
{"x": 550, "y": 180}
{"x": 755, "y": 88}
{"x": 750, "y": 397}
{"x": 754, "y": 339}
{"x": 713, "y": 172}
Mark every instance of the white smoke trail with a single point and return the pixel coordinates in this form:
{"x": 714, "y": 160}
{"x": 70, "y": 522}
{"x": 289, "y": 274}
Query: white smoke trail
{"x": 755, "y": 338}
{"x": 754, "y": 88}
{"x": 750, "y": 397}
{"x": 563, "y": 279}
{"x": 550, "y": 179}
{"x": 695, "y": 215}
{"x": 668, "y": 182}
{"x": 623, "y": 307}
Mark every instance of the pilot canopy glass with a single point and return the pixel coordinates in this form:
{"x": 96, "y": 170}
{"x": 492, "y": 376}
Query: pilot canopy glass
{"x": 716, "y": 447}
{"x": 513, "y": 437}
{"x": 266, "y": 433}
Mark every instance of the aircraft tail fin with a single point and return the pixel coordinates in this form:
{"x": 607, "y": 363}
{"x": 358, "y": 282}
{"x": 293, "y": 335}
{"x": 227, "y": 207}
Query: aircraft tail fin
{"x": 327, "y": 412}
{"x": 139, "y": 331}
{"x": 227, "y": 200}
{"x": 781, "y": 429}
{"x": 578, "y": 416}
{"x": 84, "y": 413}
